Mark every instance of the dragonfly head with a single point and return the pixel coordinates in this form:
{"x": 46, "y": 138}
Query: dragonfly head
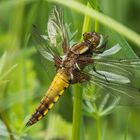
{"x": 92, "y": 37}
{"x": 96, "y": 41}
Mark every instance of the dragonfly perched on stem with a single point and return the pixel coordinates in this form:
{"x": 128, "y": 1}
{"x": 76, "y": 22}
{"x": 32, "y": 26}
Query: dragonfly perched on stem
{"x": 86, "y": 61}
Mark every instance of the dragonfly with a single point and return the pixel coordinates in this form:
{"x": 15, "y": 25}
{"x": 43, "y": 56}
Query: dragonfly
{"x": 86, "y": 61}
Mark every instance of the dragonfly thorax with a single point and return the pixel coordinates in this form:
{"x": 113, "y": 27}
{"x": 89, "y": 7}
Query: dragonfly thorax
{"x": 80, "y": 55}
{"x": 69, "y": 61}
{"x": 75, "y": 61}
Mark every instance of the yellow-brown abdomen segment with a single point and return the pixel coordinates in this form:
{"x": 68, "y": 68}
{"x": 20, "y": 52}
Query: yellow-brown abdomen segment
{"x": 56, "y": 89}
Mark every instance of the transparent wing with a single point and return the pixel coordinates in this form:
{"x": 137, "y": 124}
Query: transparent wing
{"x": 56, "y": 30}
{"x": 119, "y": 71}
{"x": 126, "y": 94}
{"x": 54, "y": 42}
{"x": 42, "y": 44}
{"x": 48, "y": 56}
{"x": 103, "y": 97}
{"x": 50, "y": 46}
{"x": 109, "y": 52}
{"x": 119, "y": 78}
{"x": 116, "y": 70}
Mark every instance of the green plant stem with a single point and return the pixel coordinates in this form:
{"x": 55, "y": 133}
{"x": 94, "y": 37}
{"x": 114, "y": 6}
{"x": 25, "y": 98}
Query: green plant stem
{"x": 96, "y": 21}
{"x": 96, "y": 26}
{"x": 12, "y": 3}
{"x": 98, "y": 128}
{"x": 77, "y": 113}
{"x": 4, "y": 119}
{"x": 97, "y": 117}
{"x": 86, "y": 24}
{"x": 105, "y": 20}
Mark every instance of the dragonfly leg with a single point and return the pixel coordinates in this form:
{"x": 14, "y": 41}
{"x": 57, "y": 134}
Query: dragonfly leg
{"x": 102, "y": 48}
{"x": 94, "y": 68}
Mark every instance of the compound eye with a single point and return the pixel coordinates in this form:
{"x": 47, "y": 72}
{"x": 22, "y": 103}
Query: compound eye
{"x": 87, "y": 35}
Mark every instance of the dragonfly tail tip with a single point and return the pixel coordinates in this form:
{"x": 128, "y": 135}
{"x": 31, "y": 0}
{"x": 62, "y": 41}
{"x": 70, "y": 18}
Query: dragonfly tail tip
{"x": 28, "y": 124}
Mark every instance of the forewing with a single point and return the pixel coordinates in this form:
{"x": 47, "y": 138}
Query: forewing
{"x": 42, "y": 44}
{"x": 48, "y": 56}
{"x": 56, "y": 31}
{"x": 123, "y": 71}
{"x": 118, "y": 77}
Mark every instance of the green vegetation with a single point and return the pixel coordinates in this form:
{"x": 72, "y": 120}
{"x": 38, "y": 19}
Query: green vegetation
{"x": 23, "y": 79}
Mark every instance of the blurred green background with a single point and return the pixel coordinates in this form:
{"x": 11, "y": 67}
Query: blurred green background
{"x": 23, "y": 79}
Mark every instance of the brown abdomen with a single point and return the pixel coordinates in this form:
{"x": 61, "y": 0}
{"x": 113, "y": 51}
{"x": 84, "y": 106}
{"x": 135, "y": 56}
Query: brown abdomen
{"x": 56, "y": 89}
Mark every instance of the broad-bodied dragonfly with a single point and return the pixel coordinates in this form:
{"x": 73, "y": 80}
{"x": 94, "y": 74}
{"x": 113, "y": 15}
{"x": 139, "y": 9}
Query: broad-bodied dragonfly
{"x": 78, "y": 64}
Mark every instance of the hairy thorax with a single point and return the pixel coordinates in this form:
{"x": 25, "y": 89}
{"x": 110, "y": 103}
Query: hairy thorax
{"x": 75, "y": 61}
